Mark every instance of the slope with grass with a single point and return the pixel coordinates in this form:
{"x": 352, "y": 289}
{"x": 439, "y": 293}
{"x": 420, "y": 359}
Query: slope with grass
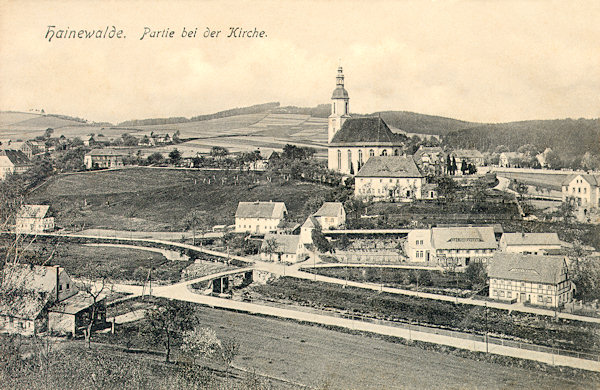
{"x": 155, "y": 199}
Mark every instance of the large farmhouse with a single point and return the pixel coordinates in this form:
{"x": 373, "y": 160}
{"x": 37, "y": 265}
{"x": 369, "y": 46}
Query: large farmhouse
{"x": 13, "y": 162}
{"x": 451, "y": 246}
{"x": 584, "y": 188}
{"x": 259, "y": 217}
{"x": 352, "y": 141}
{"x": 536, "y": 279}
{"x": 389, "y": 177}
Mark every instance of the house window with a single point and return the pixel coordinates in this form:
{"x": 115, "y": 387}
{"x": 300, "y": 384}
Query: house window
{"x": 349, "y": 158}
{"x": 540, "y": 298}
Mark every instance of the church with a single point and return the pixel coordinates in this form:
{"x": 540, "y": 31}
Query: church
{"x": 352, "y": 141}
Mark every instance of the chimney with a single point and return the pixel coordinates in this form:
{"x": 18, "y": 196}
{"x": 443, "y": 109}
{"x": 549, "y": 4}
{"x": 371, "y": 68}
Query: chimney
{"x": 57, "y": 267}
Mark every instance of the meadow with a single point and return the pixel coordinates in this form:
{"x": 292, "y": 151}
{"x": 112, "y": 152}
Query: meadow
{"x": 156, "y": 199}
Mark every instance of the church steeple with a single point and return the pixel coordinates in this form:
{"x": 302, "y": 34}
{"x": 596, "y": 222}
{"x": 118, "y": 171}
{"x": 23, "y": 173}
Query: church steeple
{"x": 340, "y": 107}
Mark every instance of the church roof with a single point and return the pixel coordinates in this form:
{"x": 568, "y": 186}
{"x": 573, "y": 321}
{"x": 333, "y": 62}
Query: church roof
{"x": 367, "y": 131}
{"x": 340, "y": 92}
{"x": 389, "y": 166}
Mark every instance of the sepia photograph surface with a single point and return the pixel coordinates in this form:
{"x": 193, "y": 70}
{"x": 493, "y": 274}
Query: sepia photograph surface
{"x": 299, "y": 195}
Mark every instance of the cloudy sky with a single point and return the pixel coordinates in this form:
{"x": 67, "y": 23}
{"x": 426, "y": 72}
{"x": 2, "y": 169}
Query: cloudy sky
{"x": 486, "y": 61}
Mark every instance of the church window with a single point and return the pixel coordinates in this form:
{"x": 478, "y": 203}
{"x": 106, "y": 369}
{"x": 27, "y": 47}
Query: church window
{"x": 349, "y": 158}
{"x": 384, "y": 152}
{"x": 371, "y": 153}
{"x": 339, "y": 159}
{"x": 396, "y": 152}
{"x": 360, "y": 159}
{"x": 347, "y": 109}
{"x": 333, "y": 106}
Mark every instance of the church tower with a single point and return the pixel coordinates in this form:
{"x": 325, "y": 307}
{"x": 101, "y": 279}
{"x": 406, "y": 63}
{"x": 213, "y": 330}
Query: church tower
{"x": 340, "y": 108}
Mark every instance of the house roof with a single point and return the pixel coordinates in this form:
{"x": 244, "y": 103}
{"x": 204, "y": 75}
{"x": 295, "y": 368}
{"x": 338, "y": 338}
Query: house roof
{"x": 33, "y": 286}
{"x": 329, "y": 209}
{"x": 592, "y": 179}
{"x": 427, "y": 150}
{"x": 105, "y": 152}
{"x": 286, "y": 243}
{"x": 76, "y": 303}
{"x": 372, "y": 130}
{"x": 527, "y": 268}
{"x": 467, "y": 153}
{"x": 311, "y": 222}
{"x": 389, "y": 166}
{"x": 33, "y": 211}
{"x": 531, "y": 238}
{"x": 468, "y": 237}
{"x": 260, "y": 210}
{"x": 16, "y": 157}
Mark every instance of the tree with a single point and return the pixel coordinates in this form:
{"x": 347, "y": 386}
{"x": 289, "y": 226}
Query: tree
{"x": 228, "y": 351}
{"x": 94, "y": 289}
{"x": 175, "y": 156}
{"x": 155, "y": 158}
{"x": 270, "y": 247}
{"x": 168, "y": 321}
{"x": 176, "y": 135}
{"x": 319, "y": 240}
{"x": 218, "y": 152}
{"x": 200, "y": 343}
{"x": 587, "y": 279}
{"x": 48, "y": 133}
{"x": 566, "y": 210}
{"x": 191, "y": 220}
{"x": 476, "y": 274}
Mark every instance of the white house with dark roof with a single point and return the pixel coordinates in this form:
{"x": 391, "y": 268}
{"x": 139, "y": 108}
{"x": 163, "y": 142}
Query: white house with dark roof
{"x": 281, "y": 247}
{"x": 457, "y": 246}
{"x": 33, "y": 219}
{"x": 259, "y": 217}
{"x": 331, "y": 215}
{"x": 352, "y": 141}
{"x": 584, "y": 188}
{"x": 536, "y": 279}
{"x": 529, "y": 243}
{"x": 104, "y": 158}
{"x": 470, "y": 156}
{"x": 13, "y": 162}
{"x": 389, "y": 177}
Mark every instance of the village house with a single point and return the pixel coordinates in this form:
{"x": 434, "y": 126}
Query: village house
{"x": 535, "y": 279}
{"x": 33, "y": 219}
{"x": 285, "y": 248}
{"x": 35, "y": 298}
{"x": 25, "y": 147}
{"x": 160, "y": 139}
{"x": 353, "y": 141}
{"x": 13, "y": 162}
{"x": 510, "y": 159}
{"x": 584, "y": 188}
{"x": 470, "y": 156}
{"x": 331, "y": 215}
{"x": 389, "y": 177}
{"x": 430, "y": 160}
{"x": 529, "y": 243}
{"x": 259, "y": 217}
{"x": 103, "y": 158}
{"x": 307, "y": 228}
{"x": 451, "y": 246}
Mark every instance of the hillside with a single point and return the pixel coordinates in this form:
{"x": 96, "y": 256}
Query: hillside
{"x": 568, "y": 137}
{"x": 413, "y": 122}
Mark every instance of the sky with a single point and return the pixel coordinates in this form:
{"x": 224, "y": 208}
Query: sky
{"x": 485, "y": 61}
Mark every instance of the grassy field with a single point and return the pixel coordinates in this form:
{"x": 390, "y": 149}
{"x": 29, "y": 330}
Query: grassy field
{"x": 122, "y": 264}
{"x": 322, "y": 358}
{"x": 158, "y": 199}
{"x": 551, "y": 181}
{"x": 530, "y": 328}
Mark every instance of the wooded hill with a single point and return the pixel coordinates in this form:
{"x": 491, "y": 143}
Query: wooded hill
{"x": 413, "y": 122}
{"x": 568, "y": 137}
